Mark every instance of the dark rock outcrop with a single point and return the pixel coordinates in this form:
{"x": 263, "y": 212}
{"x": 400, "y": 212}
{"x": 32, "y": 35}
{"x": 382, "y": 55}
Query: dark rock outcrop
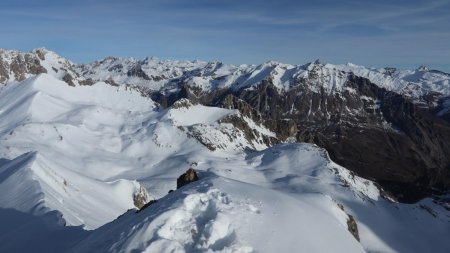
{"x": 186, "y": 178}
{"x": 151, "y": 202}
{"x": 4, "y": 75}
{"x": 20, "y": 66}
{"x": 87, "y": 82}
{"x": 141, "y": 198}
{"x": 232, "y": 102}
{"x": 138, "y": 72}
{"x": 250, "y": 134}
{"x": 352, "y": 227}
{"x": 68, "y": 79}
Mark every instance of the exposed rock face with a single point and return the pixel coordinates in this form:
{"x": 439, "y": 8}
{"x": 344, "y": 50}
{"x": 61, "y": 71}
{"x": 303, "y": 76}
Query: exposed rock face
{"x": 68, "y": 79}
{"x": 138, "y": 72}
{"x": 443, "y": 109}
{"x": 376, "y": 133}
{"x": 182, "y": 103}
{"x": 20, "y": 65}
{"x": 352, "y": 227}
{"x": 141, "y": 198}
{"x": 87, "y": 82}
{"x": 232, "y": 102}
{"x": 250, "y": 134}
{"x": 17, "y": 66}
{"x": 188, "y": 177}
{"x": 4, "y": 73}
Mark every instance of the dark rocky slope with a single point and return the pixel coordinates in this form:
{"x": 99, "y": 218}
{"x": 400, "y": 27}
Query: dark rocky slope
{"x": 378, "y": 134}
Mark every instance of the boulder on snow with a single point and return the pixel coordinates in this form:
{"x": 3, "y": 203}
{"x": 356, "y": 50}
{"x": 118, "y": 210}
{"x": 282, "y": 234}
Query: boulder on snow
{"x": 189, "y": 176}
{"x": 141, "y": 198}
{"x": 182, "y": 103}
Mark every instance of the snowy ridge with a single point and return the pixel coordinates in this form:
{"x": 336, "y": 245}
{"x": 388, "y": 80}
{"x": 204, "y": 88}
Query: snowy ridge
{"x": 100, "y": 134}
{"x": 53, "y": 119}
{"x": 37, "y": 186}
{"x": 19, "y": 170}
{"x": 214, "y": 216}
{"x": 292, "y": 190}
{"x": 412, "y": 83}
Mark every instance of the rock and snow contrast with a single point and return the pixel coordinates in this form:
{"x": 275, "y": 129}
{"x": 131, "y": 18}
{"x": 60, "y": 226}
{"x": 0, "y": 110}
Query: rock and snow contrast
{"x": 89, "y": 153}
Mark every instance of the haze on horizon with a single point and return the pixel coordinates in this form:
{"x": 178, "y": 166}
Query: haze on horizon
{"x": 402, "y": 34}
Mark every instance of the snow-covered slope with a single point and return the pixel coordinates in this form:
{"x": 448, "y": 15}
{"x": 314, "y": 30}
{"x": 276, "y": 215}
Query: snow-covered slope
{"x": 53, "y": 133}
{"x": 37, "y": 186}
{"x": 79, "y": 144}
{"x": 220, "y": 215}
{"x": 283, "y": 199}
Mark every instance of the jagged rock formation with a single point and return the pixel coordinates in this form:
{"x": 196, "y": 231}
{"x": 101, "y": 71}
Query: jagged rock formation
{"x": 186, "y": 178}
{"x": 141, "y": 198}
{"x": 17, "y": 66}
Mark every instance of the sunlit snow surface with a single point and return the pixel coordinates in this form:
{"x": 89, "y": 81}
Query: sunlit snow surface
{"x": 75, "y": 155}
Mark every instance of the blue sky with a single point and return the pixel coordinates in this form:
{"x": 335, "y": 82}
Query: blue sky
{"x": 399, "y": 33}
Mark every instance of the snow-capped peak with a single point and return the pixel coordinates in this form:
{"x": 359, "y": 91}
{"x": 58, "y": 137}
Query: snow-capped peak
{"x": 319, "y": 62}
{"x": 423, "y": 68}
